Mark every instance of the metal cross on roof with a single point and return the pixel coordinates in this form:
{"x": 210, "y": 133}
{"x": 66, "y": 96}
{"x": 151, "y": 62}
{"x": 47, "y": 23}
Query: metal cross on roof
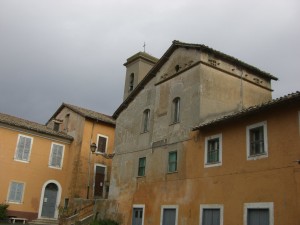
{"x": 144, "y": 47}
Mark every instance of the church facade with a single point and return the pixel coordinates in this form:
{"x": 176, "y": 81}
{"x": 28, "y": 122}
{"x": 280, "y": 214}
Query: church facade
{"x": 198, "y": 140}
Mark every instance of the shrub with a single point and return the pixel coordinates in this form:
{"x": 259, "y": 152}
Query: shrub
{"x": 104, "y": 222}
{"x": 3, "y": 211}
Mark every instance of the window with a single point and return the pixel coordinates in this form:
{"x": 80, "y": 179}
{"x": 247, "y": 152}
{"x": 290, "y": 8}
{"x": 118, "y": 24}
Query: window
{"x": 213, "y": 151}
{"x": 176, "y": 110}
{"x": 66, "y": 122}
{"x": 169, "y": 215}
{"x": 172, "y": 162}
{"x": 257, "y": 143}
{"x": 23, "y": 148}
{"x": 131, "y": 82}
{"x": 138, "y": 214}
{"x": 259, "y": 213}
{"x": 142, "y": 167}
{"x": 102, "y": 144}
{"x": 56, "y": 156}
{"x": 146, "y": 121}
{"x": 16, "y": 192}
{"x": 211, "y": 214}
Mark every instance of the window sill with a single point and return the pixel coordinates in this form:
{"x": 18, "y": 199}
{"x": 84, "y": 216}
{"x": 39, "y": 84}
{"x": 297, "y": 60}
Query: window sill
{"x": 214, "y": 164}
{"x": 55, "y": 167}
{"x": 144, "y": 132}
{"x": 172, "y": 172}
{"x": 17, "y": 203}
{"x": 174, "y": 123}
{"x": 258, "y": 156}
{"x": 20, "y": 160}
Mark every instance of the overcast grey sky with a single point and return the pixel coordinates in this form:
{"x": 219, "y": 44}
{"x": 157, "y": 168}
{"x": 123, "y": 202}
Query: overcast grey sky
{"x": 73, "y": 51}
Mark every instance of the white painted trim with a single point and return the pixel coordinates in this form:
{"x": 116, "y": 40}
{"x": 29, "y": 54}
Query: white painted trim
{"x": 206, "y": 165}
{"x": 139, "y": 206}
{"x": 101, "y": 135}
{"x": 105, "y": 177}
{"x": 168, "y": 207}
{"x": 29, "y": 154}
{"x": 299, "y": 121}
{"x": 212, "y": 206}
{"x": 62, "y": 156}
{"x": 57, "y": 198}
{"x": 259, "y": 205}
{"x": 248, "y": 128}
{"x": 23, "y": 191}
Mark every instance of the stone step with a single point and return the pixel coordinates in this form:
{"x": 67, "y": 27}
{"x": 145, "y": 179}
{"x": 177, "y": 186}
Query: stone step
{"x": 43, "y": 222}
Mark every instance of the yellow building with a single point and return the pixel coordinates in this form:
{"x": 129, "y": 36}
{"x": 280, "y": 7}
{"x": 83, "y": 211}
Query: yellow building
{"x": 46, "y": 166}
{"x": 34, "y": 166}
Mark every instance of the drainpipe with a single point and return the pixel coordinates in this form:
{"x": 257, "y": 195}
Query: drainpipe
{"x": 89, "y": 172}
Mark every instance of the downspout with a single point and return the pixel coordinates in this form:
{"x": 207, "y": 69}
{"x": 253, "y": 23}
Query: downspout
{"x": 89, "y": 172}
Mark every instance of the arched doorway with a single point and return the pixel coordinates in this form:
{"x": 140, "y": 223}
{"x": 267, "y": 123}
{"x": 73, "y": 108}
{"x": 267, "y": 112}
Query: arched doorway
{"x": 49, "y": 200}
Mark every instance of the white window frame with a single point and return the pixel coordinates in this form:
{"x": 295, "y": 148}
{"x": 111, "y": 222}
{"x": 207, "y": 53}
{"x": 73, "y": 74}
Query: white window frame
{"x": 62, "y": 156}
{"x": 299, "y": 121}
{"x": 168, "y": 168}
{"x": 206, "y": 164}
{"x": 248, "y": 128}
{"x": 22, "y": 195}
{"x": 101, "y": 135}
{"x": 29, "y": 154}
{"x": 212, "y": 206}
{"x": 139, "y": 206}
{"x": 259, "y": 205}
{"x": 168, "y": 207}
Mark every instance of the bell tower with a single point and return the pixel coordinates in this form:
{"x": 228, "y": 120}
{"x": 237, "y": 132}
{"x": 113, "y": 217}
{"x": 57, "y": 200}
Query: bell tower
{"x": 137, "y": 66}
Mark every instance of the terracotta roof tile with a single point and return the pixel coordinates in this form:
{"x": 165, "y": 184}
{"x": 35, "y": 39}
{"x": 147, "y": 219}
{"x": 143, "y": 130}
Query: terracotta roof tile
{"x": 253, "y": 109}
{"x": 32, "y": 126}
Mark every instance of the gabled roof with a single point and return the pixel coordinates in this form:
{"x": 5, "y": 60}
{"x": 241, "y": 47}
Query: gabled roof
{"x": 90, "y": 114}
{"x": 293, "y": 97}
{"x": 169, "y": 52}
{"x": 31, "y": 126}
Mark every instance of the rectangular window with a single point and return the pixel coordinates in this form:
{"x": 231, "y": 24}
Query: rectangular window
{"x": 261, "y": 213}
{"x": 56, "y": 156}
{"x": 16, "y": 192}
{"x": 211, "y": 214}
{"x": 138, "y": 214}
{"x": 169, "y": 215}
{"x": 213, "y": 151}
{"x": 257, "y": 141}
{"x": 142, "y": 167}
{"x": 23, "y": 148}
{"x": 146, "y": 121}
{"x": 102, "y": 144}
{"x": 172, "y": 162}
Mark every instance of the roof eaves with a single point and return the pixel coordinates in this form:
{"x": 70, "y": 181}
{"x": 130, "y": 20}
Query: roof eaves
{"x": 250, "y": 110}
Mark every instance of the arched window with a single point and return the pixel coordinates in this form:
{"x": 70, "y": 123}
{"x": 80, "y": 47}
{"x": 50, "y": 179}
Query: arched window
{"x": 131, "y": 81}
{"x": 146, "y": 120}
{"x": 176, "y": 110}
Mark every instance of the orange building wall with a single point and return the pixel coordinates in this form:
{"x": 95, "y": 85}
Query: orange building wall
{"x": 33, "y": 173}
{"x": 236, "y": 182}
